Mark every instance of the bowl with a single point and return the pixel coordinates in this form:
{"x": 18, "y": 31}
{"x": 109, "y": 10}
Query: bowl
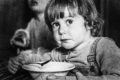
{"x": 56, "y": 68}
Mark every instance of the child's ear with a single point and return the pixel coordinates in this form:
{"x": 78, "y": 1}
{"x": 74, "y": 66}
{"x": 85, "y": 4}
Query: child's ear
{"x": 87, "y": 26}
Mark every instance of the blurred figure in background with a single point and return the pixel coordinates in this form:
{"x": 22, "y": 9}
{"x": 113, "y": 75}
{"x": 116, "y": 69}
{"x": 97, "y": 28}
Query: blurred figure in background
{"x": 35, "y": 35}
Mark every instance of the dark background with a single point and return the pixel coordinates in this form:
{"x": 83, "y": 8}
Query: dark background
{"x": 15, "y": 14}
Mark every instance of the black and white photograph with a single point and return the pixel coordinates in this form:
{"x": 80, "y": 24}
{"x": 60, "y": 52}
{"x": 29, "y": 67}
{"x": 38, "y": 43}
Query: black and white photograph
{"x": 59, "y": 39}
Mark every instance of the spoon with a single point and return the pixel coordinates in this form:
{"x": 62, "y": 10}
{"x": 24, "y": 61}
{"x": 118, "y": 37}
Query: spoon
{"x": 42, "y": 62}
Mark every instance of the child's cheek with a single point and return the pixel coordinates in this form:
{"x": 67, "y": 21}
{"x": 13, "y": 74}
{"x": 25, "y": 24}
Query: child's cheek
{"x": 57, "y": 38}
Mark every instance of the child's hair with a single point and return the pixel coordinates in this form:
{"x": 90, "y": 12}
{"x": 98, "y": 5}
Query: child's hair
{"x": 86, "y": 8}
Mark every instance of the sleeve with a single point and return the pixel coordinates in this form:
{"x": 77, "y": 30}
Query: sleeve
{"x": 56, "y": 55}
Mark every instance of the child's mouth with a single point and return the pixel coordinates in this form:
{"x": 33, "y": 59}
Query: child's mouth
{"x": 65, "y": 40}
{"x": 33, "y": 2}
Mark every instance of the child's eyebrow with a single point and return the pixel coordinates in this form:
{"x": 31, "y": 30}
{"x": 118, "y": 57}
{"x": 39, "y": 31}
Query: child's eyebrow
{"x": 53, "y": 22}
{"x": 69, "y": 16}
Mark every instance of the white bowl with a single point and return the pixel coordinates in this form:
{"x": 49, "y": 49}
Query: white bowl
{"x": 57, "y": 68}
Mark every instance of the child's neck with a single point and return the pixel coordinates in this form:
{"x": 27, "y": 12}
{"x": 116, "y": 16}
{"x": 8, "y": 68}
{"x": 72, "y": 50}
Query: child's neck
{"x": 40, "y": 16}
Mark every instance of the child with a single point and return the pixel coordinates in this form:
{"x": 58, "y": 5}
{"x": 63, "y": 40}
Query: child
{"x": 75, "y": 25}
{"x": 35, "y": 35}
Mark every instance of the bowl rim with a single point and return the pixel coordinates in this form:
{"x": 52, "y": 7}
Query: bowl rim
{"x": 27, "y": 67}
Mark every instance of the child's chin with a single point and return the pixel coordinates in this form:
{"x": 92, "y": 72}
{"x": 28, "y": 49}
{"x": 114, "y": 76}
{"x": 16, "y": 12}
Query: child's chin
{"x": 36, "y": 8}
{"x": 67, "y": 46}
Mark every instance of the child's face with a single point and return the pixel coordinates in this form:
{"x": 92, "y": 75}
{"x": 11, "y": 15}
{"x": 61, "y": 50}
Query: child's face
{"x": 37, "y": 5}
{"x": 70, "y": 32}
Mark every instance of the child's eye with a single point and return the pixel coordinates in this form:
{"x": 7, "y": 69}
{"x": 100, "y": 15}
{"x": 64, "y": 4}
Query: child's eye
{"x": 55, "y": 25}
{"x": 69, "y": 21}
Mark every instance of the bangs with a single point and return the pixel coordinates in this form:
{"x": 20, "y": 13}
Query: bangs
{"x": 57, "y": 9}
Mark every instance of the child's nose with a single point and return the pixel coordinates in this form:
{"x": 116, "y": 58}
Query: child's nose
{"x": 62, "y": 29}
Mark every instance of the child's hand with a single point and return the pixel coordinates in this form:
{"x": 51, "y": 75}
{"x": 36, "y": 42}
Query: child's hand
{"x": 25, "y": 57}
{"x": 21, "y": 38}
{"x": 39, "y": 76}
{"x": 45, "y": 76}
{"x": 53, "y": 77}
{"x": 13, "y": 65}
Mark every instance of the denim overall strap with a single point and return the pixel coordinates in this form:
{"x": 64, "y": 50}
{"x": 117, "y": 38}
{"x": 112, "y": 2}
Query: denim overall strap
{"x": 91, "y": 58}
